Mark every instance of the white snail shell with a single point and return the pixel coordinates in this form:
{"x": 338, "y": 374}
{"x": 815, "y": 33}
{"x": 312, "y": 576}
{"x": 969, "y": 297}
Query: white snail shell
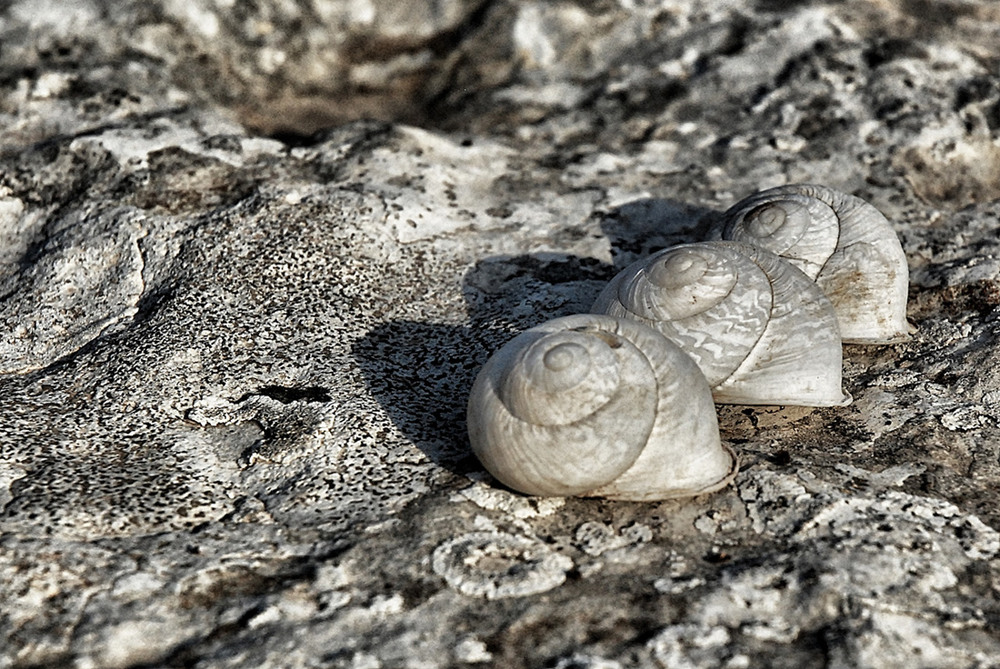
{"x": 596, "y": 406}
{"x": 841, "y": 242}
{"x": 760, "y": 330}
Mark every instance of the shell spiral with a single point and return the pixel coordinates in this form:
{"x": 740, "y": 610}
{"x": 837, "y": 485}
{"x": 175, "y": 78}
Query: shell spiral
{"x": 841, "y": 242}
{"x": 592, "y": 405}
{"x": 759, "y": 329}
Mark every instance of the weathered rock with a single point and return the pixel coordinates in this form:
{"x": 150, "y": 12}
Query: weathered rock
{"x": 234, "y": 366}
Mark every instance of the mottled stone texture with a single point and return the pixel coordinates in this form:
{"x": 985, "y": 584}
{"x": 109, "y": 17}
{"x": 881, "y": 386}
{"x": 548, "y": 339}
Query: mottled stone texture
{"x": 235, "y": 351}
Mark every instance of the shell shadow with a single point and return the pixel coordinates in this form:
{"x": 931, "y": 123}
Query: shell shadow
{"x": 642, "y": 227}
{"x": 517, "y": 291}
{"x": 421, "y": 373}
{"x": 514, "y": 292}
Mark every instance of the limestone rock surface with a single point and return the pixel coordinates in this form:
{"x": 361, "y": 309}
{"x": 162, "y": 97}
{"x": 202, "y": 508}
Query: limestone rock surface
{"x": 252, "y": 256}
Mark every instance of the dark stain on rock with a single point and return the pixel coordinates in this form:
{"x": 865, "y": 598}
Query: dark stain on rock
{"x": 287, "y": 395}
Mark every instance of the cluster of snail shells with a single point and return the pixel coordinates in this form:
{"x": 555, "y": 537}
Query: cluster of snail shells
{"x": 619, "y": 403}
{"x": 839, "y": 241}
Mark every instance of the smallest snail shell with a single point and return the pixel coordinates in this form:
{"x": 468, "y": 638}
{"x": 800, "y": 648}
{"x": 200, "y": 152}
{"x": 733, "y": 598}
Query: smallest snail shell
{"x": 596, "y": 406}
{"x": 841, "y": 242}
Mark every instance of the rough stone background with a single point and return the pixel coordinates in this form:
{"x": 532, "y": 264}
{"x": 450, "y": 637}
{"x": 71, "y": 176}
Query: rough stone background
{"x": 252, "y": 255}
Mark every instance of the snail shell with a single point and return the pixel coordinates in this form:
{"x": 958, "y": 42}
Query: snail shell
{"x": 595, "y": 406}
{"x": 841, "y": 242}
{"x": 760, "y": 330}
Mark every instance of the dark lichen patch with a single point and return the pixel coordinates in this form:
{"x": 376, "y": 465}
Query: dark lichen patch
{"x": 58, "y": 172}
{"x": 99, "y": 503}
{"x": 213, "y": 586}
{"x": 178, "y": 182}
{"x": 289, "y": 394}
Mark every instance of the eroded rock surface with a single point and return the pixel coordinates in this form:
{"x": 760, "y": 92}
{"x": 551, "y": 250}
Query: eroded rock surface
{"x": 235, "y": 354}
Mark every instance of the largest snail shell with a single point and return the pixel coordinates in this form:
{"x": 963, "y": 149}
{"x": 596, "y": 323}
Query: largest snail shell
{"x": 760, "y": 330}
{"x": 840, "y": 241}
{"x": 591, "y": 405}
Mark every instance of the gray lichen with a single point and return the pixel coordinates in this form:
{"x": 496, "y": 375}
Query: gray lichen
{"x": 496, "y": 565}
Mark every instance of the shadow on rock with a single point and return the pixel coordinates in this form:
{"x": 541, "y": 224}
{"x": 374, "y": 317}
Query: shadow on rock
{"x": 421, "y": 373}
{"x": 515, "y": 292}
{"x": 642, "y": 227}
